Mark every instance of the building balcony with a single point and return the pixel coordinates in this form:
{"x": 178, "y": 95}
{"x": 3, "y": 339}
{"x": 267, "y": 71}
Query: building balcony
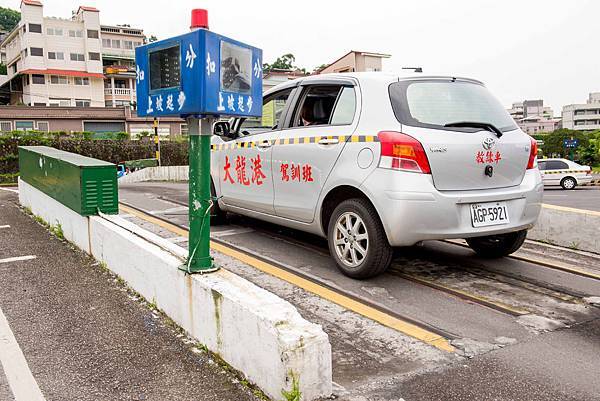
{"x": 118, "y": 91}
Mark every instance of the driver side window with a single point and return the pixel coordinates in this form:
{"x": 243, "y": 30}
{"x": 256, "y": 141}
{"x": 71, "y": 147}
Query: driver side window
{"x": 272, "y": 114}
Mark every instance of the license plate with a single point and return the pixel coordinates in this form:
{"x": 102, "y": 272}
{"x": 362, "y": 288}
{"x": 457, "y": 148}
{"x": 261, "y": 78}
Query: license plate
{"x": 489, "y": 214}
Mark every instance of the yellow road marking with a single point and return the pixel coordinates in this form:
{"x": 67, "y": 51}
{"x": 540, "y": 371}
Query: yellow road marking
{"x": 571, "y": 209}
{"x": 383, "y": 318}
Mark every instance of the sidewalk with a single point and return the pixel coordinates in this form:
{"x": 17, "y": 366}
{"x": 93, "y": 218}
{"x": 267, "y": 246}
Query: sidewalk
{"x": 84, "y": 337}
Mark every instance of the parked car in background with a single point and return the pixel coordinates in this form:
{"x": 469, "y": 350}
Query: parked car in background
{"x": 565, "y": 173}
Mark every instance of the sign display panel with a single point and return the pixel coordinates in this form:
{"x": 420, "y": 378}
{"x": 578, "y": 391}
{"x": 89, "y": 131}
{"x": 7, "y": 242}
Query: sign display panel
{"x": 165, "y": 68}
{"x": 200, "y": 73}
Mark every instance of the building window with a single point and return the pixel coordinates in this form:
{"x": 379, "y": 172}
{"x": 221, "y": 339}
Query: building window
{"x": 39, "y": 104}
{"x": 127, "y": 44}
{"x": 116, "y": 44}
{"x": 38, "y": 79}
{"x": 35, "y": 28}
{"x": 92, "y": 34}
{"x": 23, "y": 125}
{"x": 183, "y": 128}
{"x": 81, "y": 81}
{"x": 5, "y": 126}
{"x": 14, "y": 68}
{"x": 56, "y": 55}
{"x": 76, "y": 33}
{"x": 106, "y": 43}
{"x": 60, "y": 102}
{"x": 43, "y": 126}
{"x": 136, "y": 44}
{"x": 94, "y": 56}
{"x": 82, "y": 103}
{"x": 59, "y": 80}
{"x": 77, "y": 57}
{"x": 54, "y": 31}
{"x": 36, "y": 51}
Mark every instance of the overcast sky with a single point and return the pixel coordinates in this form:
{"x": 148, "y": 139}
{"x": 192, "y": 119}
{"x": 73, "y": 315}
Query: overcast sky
{"x": 522, "y": 49}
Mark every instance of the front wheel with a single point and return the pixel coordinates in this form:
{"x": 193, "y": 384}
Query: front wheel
{"x": 357, "y": 240}
{"x": 568, "y": 183}
{"x": 496, "y": 246}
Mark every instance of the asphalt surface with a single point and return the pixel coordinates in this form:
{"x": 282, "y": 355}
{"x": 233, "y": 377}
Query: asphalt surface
{"x": 587, "y": 198}
{"x": 84, "y": 336}
{"x": 550, "y": 353}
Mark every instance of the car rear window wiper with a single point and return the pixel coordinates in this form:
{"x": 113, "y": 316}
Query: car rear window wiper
{"x": 475, "y": 124}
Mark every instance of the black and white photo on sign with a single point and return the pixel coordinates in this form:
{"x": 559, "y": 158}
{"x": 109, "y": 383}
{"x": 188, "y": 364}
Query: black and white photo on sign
{"x": 236, "y": 68}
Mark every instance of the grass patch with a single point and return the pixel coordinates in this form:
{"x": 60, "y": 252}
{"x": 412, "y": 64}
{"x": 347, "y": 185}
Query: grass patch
{"x": 294, "y": 394}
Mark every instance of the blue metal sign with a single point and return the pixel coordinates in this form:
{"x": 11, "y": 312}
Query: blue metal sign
{"x": 200, "y": 73}
{"x": 570, "y": 143}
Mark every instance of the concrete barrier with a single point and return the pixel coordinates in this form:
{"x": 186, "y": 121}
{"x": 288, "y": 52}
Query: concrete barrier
{"x": 568, "y": 227}
{"x": 161, "y": 173}
{"x": 256, "y": 332}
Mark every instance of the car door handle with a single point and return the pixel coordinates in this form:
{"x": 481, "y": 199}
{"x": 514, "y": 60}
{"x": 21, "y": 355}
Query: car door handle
{"x": 328, "y": 141}
{"x": 264, "y": 144}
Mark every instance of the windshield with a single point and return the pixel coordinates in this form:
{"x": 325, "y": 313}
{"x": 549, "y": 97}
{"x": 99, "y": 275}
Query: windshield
{"x": 436, "y": 103}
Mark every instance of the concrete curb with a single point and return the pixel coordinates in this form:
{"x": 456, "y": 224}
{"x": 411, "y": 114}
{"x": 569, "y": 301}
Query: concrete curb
{"x": 567, "y": 227}
{"x": 161, "y": 173}
{"x": 256, "y": 332}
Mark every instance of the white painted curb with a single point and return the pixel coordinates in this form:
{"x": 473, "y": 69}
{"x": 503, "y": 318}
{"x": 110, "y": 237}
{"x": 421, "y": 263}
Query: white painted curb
{"x": 568, "y": 227}
{"x": 161, "y": 173}
{"x": 256, "y": 332}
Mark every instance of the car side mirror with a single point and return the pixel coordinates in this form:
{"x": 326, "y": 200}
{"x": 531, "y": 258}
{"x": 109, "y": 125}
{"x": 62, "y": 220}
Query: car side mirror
{"x": 222, "y": 128}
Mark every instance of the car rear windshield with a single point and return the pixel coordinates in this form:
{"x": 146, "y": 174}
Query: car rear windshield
{"x": 435, "y": 103}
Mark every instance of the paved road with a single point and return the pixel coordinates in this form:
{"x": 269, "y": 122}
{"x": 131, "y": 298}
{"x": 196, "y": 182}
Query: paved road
{"x": 580, "y": 198}
{"x": 83, "y": 336}
{"x": 499, "y": 357}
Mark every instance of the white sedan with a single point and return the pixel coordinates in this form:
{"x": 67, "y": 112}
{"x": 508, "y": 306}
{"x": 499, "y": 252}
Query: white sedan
{"x": 564, "y": 172}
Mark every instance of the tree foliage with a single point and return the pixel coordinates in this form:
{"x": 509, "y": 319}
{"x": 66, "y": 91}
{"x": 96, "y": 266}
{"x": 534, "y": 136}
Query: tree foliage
{"x": 152, "y": 38}
{"x": 285, "y": 62}
{"x": 9, "y": 18}
{"x": 587, "y": 151}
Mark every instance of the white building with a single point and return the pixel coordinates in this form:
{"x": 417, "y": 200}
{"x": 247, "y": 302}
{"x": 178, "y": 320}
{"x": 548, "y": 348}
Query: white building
{"x": 61, "y": 62}
{"x": 533, "y": 117}
{"x": 583, "y": 117}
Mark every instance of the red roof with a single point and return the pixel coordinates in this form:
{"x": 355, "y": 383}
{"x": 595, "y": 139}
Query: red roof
{"x": 32, "y": 3}
{"x": 70, "y": 73}
{"x": 87, "y": 8}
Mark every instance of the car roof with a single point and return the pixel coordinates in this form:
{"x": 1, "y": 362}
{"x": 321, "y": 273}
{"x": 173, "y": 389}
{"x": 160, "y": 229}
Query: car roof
{"x": 362, "y": 78}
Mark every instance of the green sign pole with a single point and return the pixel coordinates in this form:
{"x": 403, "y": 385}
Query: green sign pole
{"x": 200, "y": 202}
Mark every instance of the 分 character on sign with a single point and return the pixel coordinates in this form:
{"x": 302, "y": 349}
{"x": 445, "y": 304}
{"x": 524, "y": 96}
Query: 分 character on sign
{"x": 488, "y": 157}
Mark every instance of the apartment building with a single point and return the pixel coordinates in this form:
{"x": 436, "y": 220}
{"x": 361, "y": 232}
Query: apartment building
{"x": 583, "y": 117}
{"x": 533, "y": 117}
{"x": 69, "y": 62}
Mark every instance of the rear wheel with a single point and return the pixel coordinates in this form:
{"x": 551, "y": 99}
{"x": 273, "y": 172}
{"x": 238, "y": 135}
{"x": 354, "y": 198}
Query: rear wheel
{"x": 568, "y": 183}
{"x": 496, "y": 246}
{"x": 357, "y": 240}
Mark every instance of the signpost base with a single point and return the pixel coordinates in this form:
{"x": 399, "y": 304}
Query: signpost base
{"x": 200, "y": 199}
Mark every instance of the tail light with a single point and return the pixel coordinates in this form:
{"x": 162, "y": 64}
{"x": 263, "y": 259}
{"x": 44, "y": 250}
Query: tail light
{"x": 402, "y": 152}
{"x": 589, "y": 172}
{"x": 532, "y": 154}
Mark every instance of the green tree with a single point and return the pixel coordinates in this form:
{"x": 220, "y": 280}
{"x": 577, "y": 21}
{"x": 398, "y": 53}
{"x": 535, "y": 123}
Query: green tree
{"x": 152, "y": 38}
{"x": 2, "y": 69}
{"x": 553, "y": 142}
{"x": 285, "y": 62}
{"x": 9, "y": 18}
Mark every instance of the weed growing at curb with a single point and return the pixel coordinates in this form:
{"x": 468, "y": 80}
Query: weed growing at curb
{"x": 294, "y": 394}
{"x": 57, "y": 231}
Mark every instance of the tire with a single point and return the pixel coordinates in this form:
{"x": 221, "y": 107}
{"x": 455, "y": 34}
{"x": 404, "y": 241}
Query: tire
{"x": 369, "y": 237}
{"x": 217, "y": 215}
{"x": 497, "y": 246}
{"x": 568, "y": 183}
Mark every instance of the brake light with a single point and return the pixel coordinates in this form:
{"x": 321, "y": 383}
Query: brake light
{"x": 402, "y": 152}
{"x": 532, "y": 155}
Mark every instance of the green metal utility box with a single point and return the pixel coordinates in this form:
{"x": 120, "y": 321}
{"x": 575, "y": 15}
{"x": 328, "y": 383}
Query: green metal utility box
{"x": 81, "y": 183}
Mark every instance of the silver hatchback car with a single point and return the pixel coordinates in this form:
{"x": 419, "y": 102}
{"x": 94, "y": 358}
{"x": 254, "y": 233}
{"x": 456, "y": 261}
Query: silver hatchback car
{"x": 373, "y": 161}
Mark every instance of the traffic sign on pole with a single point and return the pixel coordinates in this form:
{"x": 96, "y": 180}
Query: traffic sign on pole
{"x": 199, "y": 76}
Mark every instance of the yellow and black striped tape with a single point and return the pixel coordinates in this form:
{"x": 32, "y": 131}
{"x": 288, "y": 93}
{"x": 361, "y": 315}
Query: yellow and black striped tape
{"x": 564, "y": 171}
{"x": 293, "y": 141}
